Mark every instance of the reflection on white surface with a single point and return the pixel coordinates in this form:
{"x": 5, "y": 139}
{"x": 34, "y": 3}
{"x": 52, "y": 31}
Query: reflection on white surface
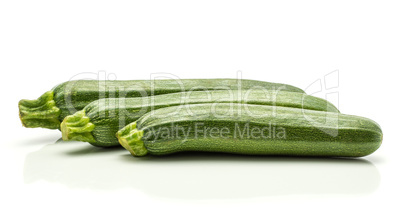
{"x": 198, "y": 175}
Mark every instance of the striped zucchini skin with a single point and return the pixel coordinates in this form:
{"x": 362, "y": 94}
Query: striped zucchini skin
{"x": 99, "y": 121}
{"x": 72, "y": 96}
{"x": 293, "y": 131}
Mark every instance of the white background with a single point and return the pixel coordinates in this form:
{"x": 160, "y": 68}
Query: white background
{"x": 44, "y": 43}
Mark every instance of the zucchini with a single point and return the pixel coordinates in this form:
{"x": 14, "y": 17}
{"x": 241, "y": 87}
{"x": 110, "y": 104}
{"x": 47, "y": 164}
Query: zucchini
{"x": 99, "y": 121}
{"x": 69, "y": 97}
{"x": 269, "y": 130}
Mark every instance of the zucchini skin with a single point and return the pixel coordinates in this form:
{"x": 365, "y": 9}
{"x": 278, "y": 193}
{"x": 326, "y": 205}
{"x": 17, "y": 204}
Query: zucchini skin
{"x": 72, "y": 96}
{"x": 330, "y": 135}
{"x": 99, "y": 121}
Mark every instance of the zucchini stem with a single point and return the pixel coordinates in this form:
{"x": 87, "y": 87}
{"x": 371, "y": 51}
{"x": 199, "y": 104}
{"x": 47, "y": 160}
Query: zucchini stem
{"x": 78, "y": 128}
{"x": 41, "y": 112}
{"x": 130, "y": 138}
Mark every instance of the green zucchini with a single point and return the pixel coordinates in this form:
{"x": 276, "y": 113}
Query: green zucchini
{"x": 69, "y": 97}
{"x": 99, "y": 121}
{"x": 268, "y": 130}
